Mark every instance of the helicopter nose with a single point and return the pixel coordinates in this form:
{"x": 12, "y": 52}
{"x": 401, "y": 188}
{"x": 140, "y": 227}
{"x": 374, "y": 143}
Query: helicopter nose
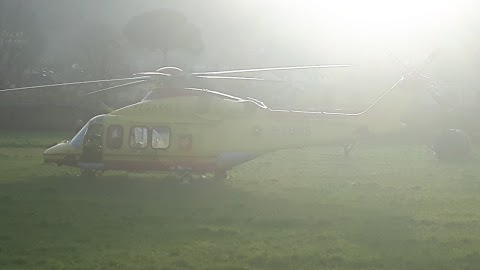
{"x": 58, "y": 153}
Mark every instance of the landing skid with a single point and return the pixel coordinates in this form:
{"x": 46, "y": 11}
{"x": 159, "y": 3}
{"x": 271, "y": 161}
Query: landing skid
{"x": 90, "y": 173}
{"x": 188, "y": 178}
{"x": 221, "y": 175}
{"x": 180, "y": 177}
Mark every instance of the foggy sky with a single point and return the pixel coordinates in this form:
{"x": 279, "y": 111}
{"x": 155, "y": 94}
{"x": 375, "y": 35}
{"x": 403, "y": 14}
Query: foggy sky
{"x": 248, "y": 33}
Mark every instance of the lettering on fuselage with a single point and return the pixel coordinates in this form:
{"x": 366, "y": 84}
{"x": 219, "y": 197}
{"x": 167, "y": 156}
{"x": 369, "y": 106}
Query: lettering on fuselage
{"x": 167, "y": 108}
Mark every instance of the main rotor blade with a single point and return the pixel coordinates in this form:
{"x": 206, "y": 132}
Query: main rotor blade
{"x": 113, "y": 87}
{"x": 214, "y": 93}
{"x": 237, "y": 78}
{"x": 74, "y": 83}
{"x": 268, "y": 69}
{"x": 153, "y": 74}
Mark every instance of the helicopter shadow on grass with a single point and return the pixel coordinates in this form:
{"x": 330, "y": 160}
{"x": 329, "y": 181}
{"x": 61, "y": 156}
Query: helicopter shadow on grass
{"x": 136, "y": 195}
{"x": 122, "y": 185}
{"x": 115, "y": 200}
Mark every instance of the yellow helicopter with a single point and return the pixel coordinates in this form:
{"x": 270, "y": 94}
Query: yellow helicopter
{"x": 194, "y": 130}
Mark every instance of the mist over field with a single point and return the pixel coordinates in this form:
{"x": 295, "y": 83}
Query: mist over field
{"x": 368, "y": 164}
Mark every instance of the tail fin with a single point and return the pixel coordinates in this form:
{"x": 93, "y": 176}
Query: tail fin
{"x": 387, "y": 112}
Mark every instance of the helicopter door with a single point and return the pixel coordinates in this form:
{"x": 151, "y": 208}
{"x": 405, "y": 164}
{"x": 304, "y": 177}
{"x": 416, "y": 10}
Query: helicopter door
{"x": 92, "y": 144}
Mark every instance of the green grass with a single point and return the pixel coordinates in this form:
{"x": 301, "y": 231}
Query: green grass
{"x": 31, "y": 139}
{"x": 386, "y": 207}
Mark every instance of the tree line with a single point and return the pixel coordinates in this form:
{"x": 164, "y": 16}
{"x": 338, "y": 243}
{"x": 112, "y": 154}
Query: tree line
{"x": 98, "y": 51}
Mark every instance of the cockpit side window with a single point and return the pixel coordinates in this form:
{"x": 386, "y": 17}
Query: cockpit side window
{"x": 94, "y": 135}
{"x": 114, "y": 137}
{"x": 139, "y": 137}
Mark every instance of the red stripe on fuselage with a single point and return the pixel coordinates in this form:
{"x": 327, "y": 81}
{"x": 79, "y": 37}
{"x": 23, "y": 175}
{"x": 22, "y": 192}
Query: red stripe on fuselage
{"x": 138, "y": 166}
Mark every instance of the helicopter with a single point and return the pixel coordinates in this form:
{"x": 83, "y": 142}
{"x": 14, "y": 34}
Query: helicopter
{"x": 177, "y": 128}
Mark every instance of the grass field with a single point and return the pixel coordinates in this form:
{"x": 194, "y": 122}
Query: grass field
{"x": 386, "y": 207}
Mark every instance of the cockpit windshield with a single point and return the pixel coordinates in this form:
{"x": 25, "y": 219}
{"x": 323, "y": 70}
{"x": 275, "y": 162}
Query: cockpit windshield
{"x": 78, "y": 138}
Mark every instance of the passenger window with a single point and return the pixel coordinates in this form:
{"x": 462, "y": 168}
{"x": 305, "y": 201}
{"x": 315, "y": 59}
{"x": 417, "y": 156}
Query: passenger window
{"x": 160, "y": 137}
{"x": 114, "y": 137}
{"x": 139, "y": 137}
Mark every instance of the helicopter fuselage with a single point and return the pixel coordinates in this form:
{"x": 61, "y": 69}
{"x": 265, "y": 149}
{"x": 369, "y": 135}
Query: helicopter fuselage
{"x": 205, "y": 133}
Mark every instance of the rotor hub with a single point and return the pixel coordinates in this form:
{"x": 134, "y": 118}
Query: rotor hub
{"x": 173, "y": 72}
